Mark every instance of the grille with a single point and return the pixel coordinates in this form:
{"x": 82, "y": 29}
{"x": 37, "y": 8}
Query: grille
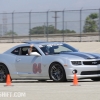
{"x": 90, "y": 72}
{"x": 91, "y": 62}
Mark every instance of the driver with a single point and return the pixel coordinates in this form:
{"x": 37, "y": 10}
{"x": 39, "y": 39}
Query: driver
{"x": 30, "y": 49}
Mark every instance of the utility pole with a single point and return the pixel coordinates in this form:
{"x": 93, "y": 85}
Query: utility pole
{"x": 55, "y": 20}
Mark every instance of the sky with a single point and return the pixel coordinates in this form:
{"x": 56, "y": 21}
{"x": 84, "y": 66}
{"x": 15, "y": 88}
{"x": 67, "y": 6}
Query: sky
{"x": 10, "y": 6}
{"x": 44, "y": 5}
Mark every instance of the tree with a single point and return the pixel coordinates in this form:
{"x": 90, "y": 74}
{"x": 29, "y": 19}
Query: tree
{"x": 67, "y": 31}
{"x": 42, "y": 29}
{"x": 90, "y": 23}
{"x": 10, "y": 33}
{"x": 50, "y": 28}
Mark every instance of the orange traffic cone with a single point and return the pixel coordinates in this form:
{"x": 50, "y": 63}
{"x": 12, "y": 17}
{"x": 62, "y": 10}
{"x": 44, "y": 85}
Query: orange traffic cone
{"x": 8, "y": 81}
{"x": 75, "y": 80}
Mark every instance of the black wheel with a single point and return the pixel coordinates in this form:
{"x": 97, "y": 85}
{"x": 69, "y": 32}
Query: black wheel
{"x": 57, "y": 72}
{"x": 96, "y": 79}
{"x": 3, "y": 73}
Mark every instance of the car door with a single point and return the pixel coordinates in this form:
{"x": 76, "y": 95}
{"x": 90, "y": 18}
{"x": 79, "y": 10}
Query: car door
{"x": 28, "y": 66}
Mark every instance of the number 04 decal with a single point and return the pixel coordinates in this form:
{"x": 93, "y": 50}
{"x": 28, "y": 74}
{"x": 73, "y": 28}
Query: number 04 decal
{"x": 36, "y": 68}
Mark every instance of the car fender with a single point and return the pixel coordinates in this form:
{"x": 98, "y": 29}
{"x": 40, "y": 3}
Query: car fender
{"x": 61, "y": 61}
{"x": 9, "y": 61}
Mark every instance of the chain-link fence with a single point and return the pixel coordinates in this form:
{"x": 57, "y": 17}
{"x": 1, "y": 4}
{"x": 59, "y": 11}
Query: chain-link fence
{"x": 66, "y": 25}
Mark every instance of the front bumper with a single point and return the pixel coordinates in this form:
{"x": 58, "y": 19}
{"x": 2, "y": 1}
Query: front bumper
{"x": 83, "y": 71}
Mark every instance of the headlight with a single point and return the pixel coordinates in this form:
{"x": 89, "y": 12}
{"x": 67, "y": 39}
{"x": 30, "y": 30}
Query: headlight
{"x": 76, "y": 62}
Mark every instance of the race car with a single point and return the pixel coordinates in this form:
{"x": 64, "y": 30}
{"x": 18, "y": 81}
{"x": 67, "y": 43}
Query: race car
{"x": 48, "y": 60}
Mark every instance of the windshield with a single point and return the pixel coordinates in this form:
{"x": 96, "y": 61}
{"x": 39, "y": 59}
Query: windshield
{"x": 56, "y": 48}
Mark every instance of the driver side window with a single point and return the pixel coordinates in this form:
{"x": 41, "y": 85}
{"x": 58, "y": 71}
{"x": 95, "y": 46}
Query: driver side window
{"x": 24, "y": 50}
{"x": 35, "y": 50}
{"x": 16, "y": 51}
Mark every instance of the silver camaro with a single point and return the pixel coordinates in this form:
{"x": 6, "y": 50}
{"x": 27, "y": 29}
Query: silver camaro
{"x": 48, "y": 60}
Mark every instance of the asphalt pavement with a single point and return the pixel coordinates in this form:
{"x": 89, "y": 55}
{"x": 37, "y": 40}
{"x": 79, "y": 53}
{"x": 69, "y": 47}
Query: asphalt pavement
{"x": 34, "y": 90}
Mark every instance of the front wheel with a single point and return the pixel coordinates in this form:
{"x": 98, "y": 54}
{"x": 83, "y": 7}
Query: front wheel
{"x": 3, "y": 73}
{"x": 95, "y": 79}
{"x": 57, "y": 72}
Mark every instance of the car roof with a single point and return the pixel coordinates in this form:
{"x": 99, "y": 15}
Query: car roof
{"x": 36, "y": 43}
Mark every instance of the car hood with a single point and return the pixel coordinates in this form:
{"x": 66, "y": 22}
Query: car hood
{"x": 80, "y": 55}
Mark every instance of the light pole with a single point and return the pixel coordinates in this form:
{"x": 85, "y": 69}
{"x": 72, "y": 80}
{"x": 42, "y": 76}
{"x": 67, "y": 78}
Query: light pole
{"x": 55, "y": 17}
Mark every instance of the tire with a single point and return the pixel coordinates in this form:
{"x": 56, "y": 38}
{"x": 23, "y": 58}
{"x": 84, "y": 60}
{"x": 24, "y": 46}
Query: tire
{"x": 57, "y": 72}
{"x": 95, "y": 79}
{"x": 3, "y": 73}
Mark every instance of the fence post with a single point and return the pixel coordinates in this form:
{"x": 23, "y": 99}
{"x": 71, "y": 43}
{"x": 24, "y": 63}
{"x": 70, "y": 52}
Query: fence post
{"x": 1, "y": 30}
{"x": 99, "y": 24}
{"x": 80, "y": 24}
{"x": 44, "y": 30}
{"x": 12, "y": 27}
{"x": 63, "y": 24}
{"x": 29, "y": 25}
{"x": 47, "y": 27}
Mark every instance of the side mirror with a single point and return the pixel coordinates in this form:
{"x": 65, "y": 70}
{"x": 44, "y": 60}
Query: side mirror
{"x": 35, "y": 54}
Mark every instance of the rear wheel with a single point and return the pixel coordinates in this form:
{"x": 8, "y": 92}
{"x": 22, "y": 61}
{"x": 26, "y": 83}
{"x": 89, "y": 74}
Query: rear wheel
{"x": 57, "y": 72}
{"x": 3, "y": 73}
{"x": 96, "y": 79}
